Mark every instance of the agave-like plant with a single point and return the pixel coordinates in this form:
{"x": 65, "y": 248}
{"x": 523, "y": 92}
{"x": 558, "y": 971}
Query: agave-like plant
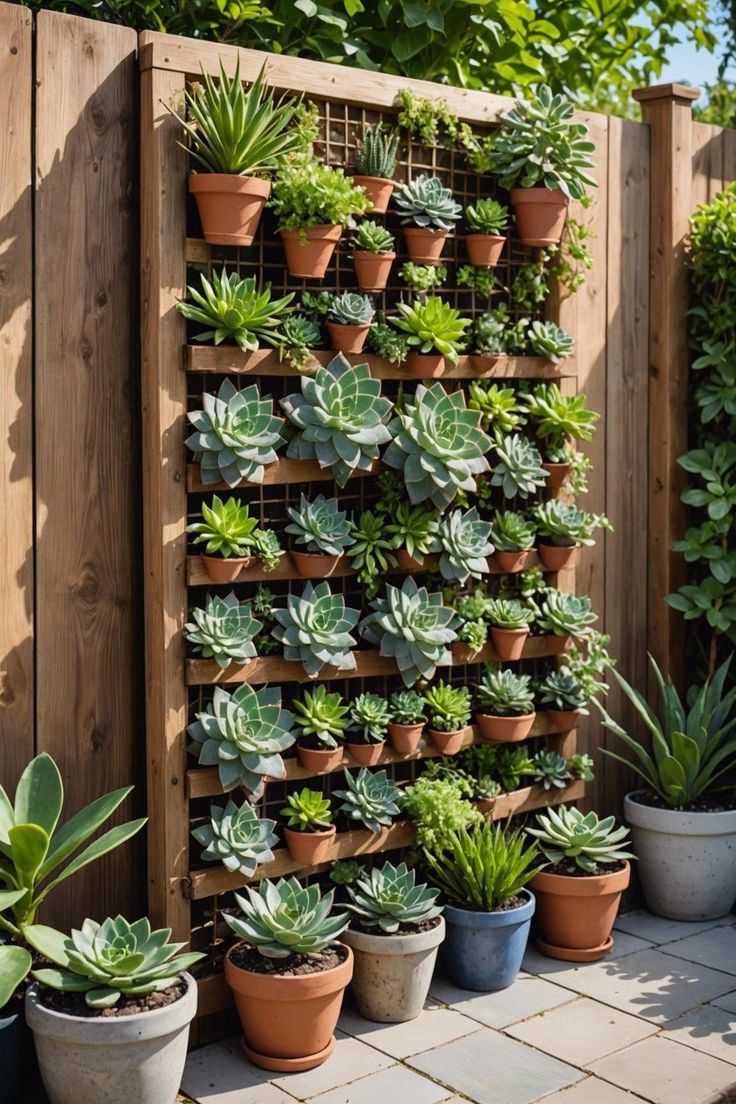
{"x": 321, "y": 715}
{"x": 223, "y": 630}
{"x": 462, "y": 540}
{"x": 388, "y": 897}
{"x": 236, "y": 308}
{"x": 320, "y": 525}
{"x": 315, "y": 628}
{"x": 566, "y": 833}
{"x": 235, "y": 436}
{"x": 414, "y": 627}
{"x": 438, "y": 444}
{"x": 371, "y": 798}
{"x": 340, "y": 418}
{"x": 433, "y": 325}
{"x": 237, "y": 837}
{"x": 519, "y": 469}
{"x": 284, "y": 918}
{"x": 243, "y": 735}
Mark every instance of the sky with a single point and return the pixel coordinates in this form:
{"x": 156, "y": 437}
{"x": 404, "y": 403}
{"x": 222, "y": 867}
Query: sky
{"x": 688, "y": 65}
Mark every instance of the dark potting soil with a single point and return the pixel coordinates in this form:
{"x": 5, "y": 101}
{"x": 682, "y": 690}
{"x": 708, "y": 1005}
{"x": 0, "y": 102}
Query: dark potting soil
{"x": 361, "y": 740}
{"x": 711, "y": 803}
{"x": 73, "y": 1004}
{"x": 505, "y": 906}
{"x": 570, "y": 869}
{"x": 294, "y": 965}
{"x": 404, "y": 929}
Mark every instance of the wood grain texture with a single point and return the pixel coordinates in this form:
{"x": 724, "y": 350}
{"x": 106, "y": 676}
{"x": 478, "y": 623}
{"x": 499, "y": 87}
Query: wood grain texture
{"x": 16, "y": 394}
{"x": 87, "y": 645}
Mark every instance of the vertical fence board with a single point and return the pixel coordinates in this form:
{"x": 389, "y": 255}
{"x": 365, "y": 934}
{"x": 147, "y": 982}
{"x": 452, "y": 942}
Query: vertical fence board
{"x": 707, "y": 149}
{"x": 88, "y": 715}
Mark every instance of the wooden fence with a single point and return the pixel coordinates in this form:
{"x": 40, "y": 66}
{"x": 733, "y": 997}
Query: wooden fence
{"x": 71, "y": 578}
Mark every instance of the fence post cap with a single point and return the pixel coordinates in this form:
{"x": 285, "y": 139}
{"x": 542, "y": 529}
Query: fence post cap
{"x": 684, "y": 93}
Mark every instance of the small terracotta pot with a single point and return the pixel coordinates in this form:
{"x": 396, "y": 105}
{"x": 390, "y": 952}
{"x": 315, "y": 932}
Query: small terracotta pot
{"x": 556, "y": 474}
{"x": 509, "y": 643}
{"x": 484, "y": 250}
{"x": 449, "y": 743}
{"x": 229, "y": 206}
{"x": 319, "y": 760}
{"x": 555, "y": 557}
{"x": 485, "y": 805}
{"x": 511, "y": 561}
{"x": 504, "y": 730}
{"x": 348, "y": 339}
{"x": 314, "y": 565}
{"x": 309, "y": 848}
{"x": 540, "y": 214}
{"x": 367, "y": 755}
{"x": 482, "y": 363}
{"x": 463, "y": 653}
{"x": 575, "y": 916}
{"x": 426, "y": 367}
{"x": 309, "y": 251}
{"x": 563, "y": 720}
{"x": 372, "y": 270}
{"x": 409, "y": 563}
{"x": 221, "y": 570}
{"x": 289, "y": 1022}
{"x": 556, "y": 645}
{"x": 405, "y": 739}
{"x": 424, "y": 246}
{"x": 379, "y": 191}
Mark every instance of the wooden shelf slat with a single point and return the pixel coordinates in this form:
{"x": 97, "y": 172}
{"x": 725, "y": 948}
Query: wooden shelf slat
{"x": 283, "y": 470}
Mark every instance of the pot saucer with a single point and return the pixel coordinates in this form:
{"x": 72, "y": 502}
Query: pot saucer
{"x": 569, "y": 954}
{"x": 289, "y": 1065}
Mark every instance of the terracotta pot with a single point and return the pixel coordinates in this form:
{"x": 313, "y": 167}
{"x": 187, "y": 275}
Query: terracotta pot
{"x": 310, "y": 848}
{"x": 485, "y": 805}
{"x": 424, "y": 246}
{"x": 348, "y": 339}
{"x": 540, "y": 214}
{"x": 372, "y": 270}
{"x": 463, "y": 653}
{"x": 556, "y": 557}
{"x": 221, "y": 570}
{"x": 410, "y": 563}
{"x": 379, "y": 191}
{"x": 482, "y": 363}
{"x": 230, "y": 207}
{"x": 426, "y": 367}
{"x": 563, "y": 720}
{"x": 309, "y": 251}
{"x": 509, "y": 643}
{"x": 319, "y": 760}
{"x": 449, "y": 743}
{"x": 575, "y": 916}
{"x": 405, "y": 739}
{"x": 556, "y": 474}
{"x": 511, "y": 561}
{"x": 314, "y": 565}
{"x": 504, "y": 730}
{"x": 367, "y": 755}
{"x": 288, "y": 1022}
{"x": 484, "y": 250}
{"x": 556, "y": 645}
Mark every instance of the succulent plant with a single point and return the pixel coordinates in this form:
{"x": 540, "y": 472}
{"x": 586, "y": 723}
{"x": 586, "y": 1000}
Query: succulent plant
{"x": 487, "y": 216}
{"x": 427, "y": 203}
{"x": 371, "y": 553}
{"x": 307, "y": 811}
{"x": 388, "y": 897}
{"x": 463, "y": 544}
{"x": 237, "y": 837}
{"x": 496, "y": 334}
{"x": 512, "y": 766}
{"x": 565, "y": 614}
{"x": 508, "y": 613}
{"x": 223, "y": 630}
{"x": 519, "y": 469}
{"x": 448, "y": 707}
{"x": 482, "y": 866}
{"x": 369, "y": 717}
{"x": 345, "y": 871}
{"x": 284, "y": 918}
{"x": 372, "y": 237}
{"x": 315, "y": 627}
{"x": 413, "y": 528}
{"x": 235, "y": 436}
{"x": 562, "y": 690}
{"x": 505, "y": 694}
{"x": 377, "y": 154}
{"x": 340, "y": 419}
{"x": 580, "y": 766}
{"x": 550, "y": 769}
{"x": 414, "y": 627}
{"x": 109, "y": 960}
{"x": 567, "y": 834}
{"x": 385, "y": 341}
{"x": 226, "y": 529}
{"x": 351, "y": 309}
{"x": 557, "y": 417}
{"x": 499, "y": 406}
{"x": 237, "y": 309}
{"x": 243, "y": 735}
{"x": 320, "y": 525}
{"x": 423, "y": 278}
{"x": 407, "y": 707}
{"x": 562, "y": 524}
{"x": 433, "y": 326}
{"x": 321, "y": 715}
{"x": 267, "y": 547}
{"x": 438, "y": 444}
{"x": 512, "y": 531}
{"x": 370, "y": 798}
{"x": 298, "y": 336}
{"x": 549, "y": 340}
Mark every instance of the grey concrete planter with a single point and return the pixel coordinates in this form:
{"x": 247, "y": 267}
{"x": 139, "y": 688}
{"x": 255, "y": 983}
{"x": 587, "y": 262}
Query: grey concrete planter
{"x": 121, "y": 1060}
{"x": 393, "y": 972}
{"x": 687, "y": 861}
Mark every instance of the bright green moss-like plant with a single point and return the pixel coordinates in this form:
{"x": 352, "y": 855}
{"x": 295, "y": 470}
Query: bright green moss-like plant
{"x": 307, "y": 192}
{"x": 237, "y": 837}
{"x": 223, "y": 630}
{"x": 314, "y": 629}
{"x": 414, "y": 627}
{"x": 438, "y": 806}
{"x": 236, "y": 435}
{"x": 236, "y": 309}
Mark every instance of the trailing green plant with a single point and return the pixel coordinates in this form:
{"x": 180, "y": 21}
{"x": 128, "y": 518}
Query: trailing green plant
{"x": 320, "y": 525}
{"x": 482, "y": 867}
{"x": 236, "y": 309}
{"x": 372, "y": 237}
{"x": 463, "y": 544}
{"x": 371, "y": 552}
{"x": 531, "y": 286}
{"x": 388, "y": 897}
{"x": 499, "y": 407}
{"x": 284, "y": 918}
{"x": 565, "y": 835}
{"x": 370, "y": 797}
{"x": 438, "y": 806}
{"x": 314, "y": 629}
{"x": 307, "y": 811}
{"x": 563, "y": 691}
{"x": 423, "y": 278}
{"x": 224, "y": 630}
{"x": 557, "y": 417}
{"x": 448, "y": 706}
{"x": 351, "y": 308}
{"x": 339, "y": 417}
{"x": 413, "y": 529}
{"x": 562, "y": 524}
{"x": 433, "y": 325}
{"x": 307, "y": 192}
{"x": 427, "y": 203}
{"x": 345, "y": 872}
{"x": 483, "y": 281}
{"x": 550, "y": 769}
{"x": 591, "y": 660}
{"x": 471, "y": 610}
{"x": 512, "y": 766}
{"x": 505, "y": 694}
{"x": 565, "y": 614}
{"x": 580, "y": 766}
{"x": 316, "y": 304}
{"x": 487, "y": 216}
{"x": 376, "y": 155}
{"x": 385, "y": 341}
{"x": 369, "y": 717}
{"x": 414, "y": 627}
{"x": 236, "y": 435}
{"x": 297, "y": 337}
{"x": 508, "y": 613}
{"x": 518, "y": 470}
{"x": 407, "y": 707}
{"x": 426, "y": 119}
{"x": 237, "y": 837}
{"x": 320, "y": 716}
{"x": 512, "y": 531}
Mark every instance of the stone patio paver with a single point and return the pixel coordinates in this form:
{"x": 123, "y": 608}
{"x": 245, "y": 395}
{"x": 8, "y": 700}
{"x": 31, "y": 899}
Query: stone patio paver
{"x": 715, "y": 948}
{"x": 395, "y": 1085}
{"x": 582, "y": 1031}
{"x": 526, "y": 997}
{"x": 537, "y": 963}
{"x": 592, "y": 1091}
{"x": 665, "y": 1072}
{"x": 709, "y": 1029}
{"x": 727, "y": 1001}
{"x": 221, "y": 1074}
{"x": 350, "y": 1061}
{"x": 435, "y": 1026}
{"x": 657, "y": 929}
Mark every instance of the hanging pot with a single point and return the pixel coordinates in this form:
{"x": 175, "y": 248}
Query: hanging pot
{"x": 309, "y": 251}
{"x": 372, "y": 270}
{"x": 511, "y": 562}
{"x": 222, "y": 569}
{"x": 484, "y": 250}
{"x": 556, "y": 474}
{"x": 405, "y": 739}
{"x": 556, "y": 557}
{"x": 310, "y": 848}
{"x": 423, "y": 245}
{"x": 563, "y": 720}
{"x": 379, "y": 191}
{"x": 319, "y": 760}
{"x": 540, "y": 215}
{"x": 230, "y": 207}
{"x": 348, "y": 338}
{"x": 509, "y": 643}
{"x": 448, "y": 743}
{"x": 314, "y": 565}
{"x": 505, "y": 730}
{"x": 367, "y": 755}
{"x": 426, "y": 366}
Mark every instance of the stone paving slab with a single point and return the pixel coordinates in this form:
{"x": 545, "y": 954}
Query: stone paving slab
{"x": 582, "y": 1031}
{"x": 664, "y": 1072}
{"x": 659, "y": 930}
{"x": 350, "y": 1061}
{"x": 592, "y": 1091}
{"x": 715, "y": 948}
{"x": 727, "y": 1001}
{"x": 221, "y": 1074}
{"x": 526, "y": 997}
{"x": 707, "y": 1028}
{"x": 395, "y": 1085}
{"x": 624, "y": 944}
{"x": 436, "y": 1025}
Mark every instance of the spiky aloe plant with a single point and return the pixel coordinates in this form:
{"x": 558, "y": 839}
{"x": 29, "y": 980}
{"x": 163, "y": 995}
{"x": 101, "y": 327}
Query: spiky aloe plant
{"x": 414, "y": 627}
{"x": 315, "y": 627}
{"x": 550, "y": 769}
{"x": 388, "y": 897}
{"x": 223, "y": 630}
{"x": 438, "y": 444}
{"x": 518, "y": 470}
{"x": 427, "y": 203}
{"x": 567, "y": 834}
{"x": 321, "y": 715}
{"x": 320, "y": 525}
{"x": 235, "y": 436}
{"x": 284, "y": 918}
{"x": 462, "y": 540}
{"x": 340, "y": 417}
{"x": 231, "y": 307}
{"x": 377, "y": 154}
{"x": 243, "y": 735}
{"x": 371, "y": 798}
{"x": 237, "y": 837}
{"x": 369, "y": 717}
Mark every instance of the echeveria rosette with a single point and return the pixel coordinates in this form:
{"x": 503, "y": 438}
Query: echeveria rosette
{"x": 463, "y": 544}
{"x": 283, "y": 918}
{"x": 371, "y": 798}
{"x": 236, "y": 435}
{"x": 414, "y": 627}
{"x": 388, "y": 897}
{"x": 315, "y": 628}
{"x": 320, "y": 525}
{"x": 243, "y": 735}
{"x": 237, "y": 837}
{"x": 438, "y": 444}
{"x": 340, "y": 418}
{"x": 223, "y": 630}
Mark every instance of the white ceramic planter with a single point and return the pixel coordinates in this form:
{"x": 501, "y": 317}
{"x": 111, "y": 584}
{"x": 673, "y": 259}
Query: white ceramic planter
{"x": 119, "y": 1060}
{"x": 392, "y": 972}
{"x": 687, "y": 861}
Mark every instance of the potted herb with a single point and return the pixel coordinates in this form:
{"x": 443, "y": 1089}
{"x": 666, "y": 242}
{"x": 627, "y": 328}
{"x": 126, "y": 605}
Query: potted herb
{"x": 114, "y": 1009}
{"x": 231, "y": 538}
{"x": 289, "y": 973}
{"x": 366, "y": 739}
{"x": 436, "y": 330}
{"x": 439, "y": 802}
{"x": 544, "y": 158}
{"x": 427, "y": 204}
{"x": 237, "y": 137}
{"x": 683, "y": 822}
{"x": 235, "y": 309}
{"x": 309, "y": 832}
{"x": 510, "y": 621}
{"x": 412, "y": 534}
{"x": 373, "y": 255}
{"x": 562, "y": 528}
{"x": 423, "y": 278}
{"x": 449, "y": 713}
{"x": 324, "y": 531}
{"x": 565, "y": 698}
{"x": 485, "y": 220}
{"x": 564, "y": 615}
{"x": 370, "y": 798}
{"x": 348, "y": 321}
{"x": 395, "y": 930}
{"x": 512, "y": 535}
{"x": 320, "y": 722}
{"x": 375, "y": 164}
{"x": 506, "y": 706}
{"x": 313, "y": 203}
{"x": 556, "y": 419}
{"x": 578, "y": 896}
{"x": 482, "y": 872}
{"x": 407, "y": 711}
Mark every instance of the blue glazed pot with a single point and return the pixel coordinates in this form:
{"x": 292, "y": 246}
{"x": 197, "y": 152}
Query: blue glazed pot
{"x": 14, "y": 1045}
{"x": 483, "y": 950}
